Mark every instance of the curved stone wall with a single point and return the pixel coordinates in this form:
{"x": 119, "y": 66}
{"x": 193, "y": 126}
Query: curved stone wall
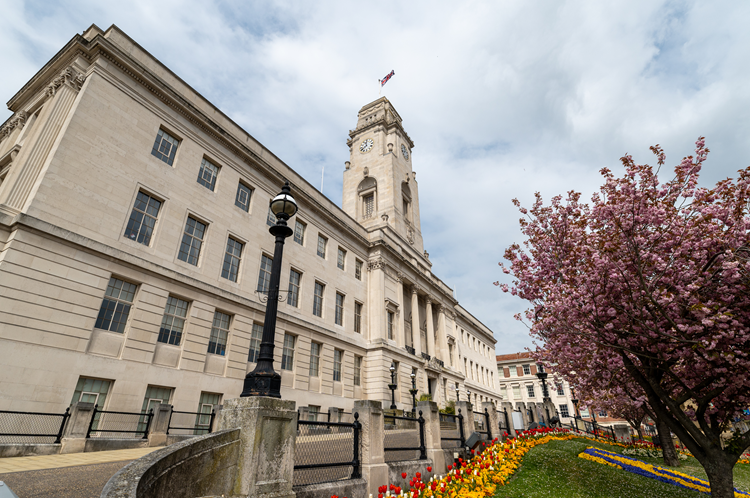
{"x": 202, "y": 466}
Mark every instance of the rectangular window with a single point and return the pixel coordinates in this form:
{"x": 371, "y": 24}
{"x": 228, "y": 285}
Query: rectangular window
{"x": 255, "y": 338}
{"x": 358, "y": 317}
{"x": 207, "y": 403}
{"x": 341, "y": 259}
{"x": 192, "y": 240}
{"x": 406, "y": 209}
{"x": 173, "y": 321}
{"x": 390, "y": 316}
{"x": 339, "y": 309}
{"x": 312, "y": 412}
{"x": 358, "y": 269}
{"x": 564, "y": 411}
{"x": 91, "y": 391}
{"x": 217, "y": 343}
{"x": 242, "y": 200}
{"x": 526, "y": 370}
{"x": 293, "y": 295}
{"x": 299, "y": 232}
{"x": 530, "y": 391}
{"x": 322, "y": 241}
{"x": 113, "y": 315}
{"x": 287, "y": 356}
{"x": 560, "y": 390}
{"x": 143, "y": 219}
{"x": 264, "y": 277}
{"x": 318, "y": 299}
{"x": 516, "y": 392}
{"x": 207, "y": 174}
{"x": 271, "y": 218}
{"x": 369, "y": 205}
{"x": 337, "y": 356}
{"x": 512, "y": 370}
{"x": 357, "y": 370}
{"x": 315, "y": 359}
{"x": 165, "y": 147}
{"x": 232, "y": 256}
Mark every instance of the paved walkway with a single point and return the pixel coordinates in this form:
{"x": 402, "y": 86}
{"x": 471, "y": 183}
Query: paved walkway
{"x": 21, "y": 464}
{"x": 76, "y": 475}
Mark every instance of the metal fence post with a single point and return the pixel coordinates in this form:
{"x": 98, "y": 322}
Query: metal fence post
{"x": 507, "y": 424}
{"x": 211, "y": 423}
{"x": 489, "y": 428}
{"x": 422, "y": 448}
{"x": 62, "y": 425}
{"x": 461, "y": 428}
{"x": 169, "y": 422}
{"x": 91, "y": 422}
{"x": 149, "y": 416}
{"x": 356, "y": 464}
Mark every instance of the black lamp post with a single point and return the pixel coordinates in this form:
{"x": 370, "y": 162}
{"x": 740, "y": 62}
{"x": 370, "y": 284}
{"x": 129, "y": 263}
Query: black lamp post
{"x": 593, "y": 420}
{"x": 413, "y": 392}
{"x": 458, "y": 395}
{"x": 264, "y": 381}
{"x": 545, "y": 394}
{"x": 392, "y": 386}
{"x": 468, "y": 395}
{"x": 574, "y": 400}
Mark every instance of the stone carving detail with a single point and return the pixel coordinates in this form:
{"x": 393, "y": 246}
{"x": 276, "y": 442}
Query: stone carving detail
{"x": 366, "y": 171}
{"x": 378, "y": 264}
{"x": 410, "y": 235}
{"x": 17, "y": 121}
{"x": 399, "y": 277}
{"x": 384, "y": 217}
{"x": 347, "y": 164}
{"x": 68, "y": 76}
{"x": 426, "y": 255}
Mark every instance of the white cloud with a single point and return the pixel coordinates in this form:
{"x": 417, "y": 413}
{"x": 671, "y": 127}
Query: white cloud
{"x": 501, "y": 98}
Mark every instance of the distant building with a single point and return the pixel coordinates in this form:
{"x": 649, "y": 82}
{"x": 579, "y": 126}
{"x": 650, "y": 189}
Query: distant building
{"x": 135, "y": 253}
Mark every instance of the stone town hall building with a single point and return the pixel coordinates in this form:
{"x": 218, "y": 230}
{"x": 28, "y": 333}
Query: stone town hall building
{"x": 134, "y": 241}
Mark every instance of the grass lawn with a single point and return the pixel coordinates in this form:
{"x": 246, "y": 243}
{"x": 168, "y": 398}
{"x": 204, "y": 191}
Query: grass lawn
{"x": 554, "y": 470}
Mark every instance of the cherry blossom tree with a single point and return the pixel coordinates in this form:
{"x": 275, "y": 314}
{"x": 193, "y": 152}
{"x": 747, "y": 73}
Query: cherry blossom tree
{"x": 650, "y": 281}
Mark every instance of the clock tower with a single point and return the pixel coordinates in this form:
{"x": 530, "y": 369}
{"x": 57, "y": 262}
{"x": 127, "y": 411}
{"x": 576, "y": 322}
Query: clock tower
{"x": 380, "y": 187}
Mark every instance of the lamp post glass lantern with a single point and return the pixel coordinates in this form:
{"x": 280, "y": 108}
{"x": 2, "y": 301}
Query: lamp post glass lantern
{"x": 263, "y": 380}
{"x": 392, "y": 386}
{"x": 413, "y": 392}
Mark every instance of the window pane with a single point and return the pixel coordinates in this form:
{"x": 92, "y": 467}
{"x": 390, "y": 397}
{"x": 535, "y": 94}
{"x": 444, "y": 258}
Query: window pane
{"x": 339, "y": 309}
{"x": 293, "y": 294}
{"x": 207, "y": 174}
{"x": 369, "y": 205}
{"x": 264, "y": 277}
{"x": 337, "y": 364}
{"x": 165, "y": 147}
{"x": 142, "y": 219}
{"x": 242, "y": 200}
{"x": 115, "y": 308}
{"x": 357, "y": 370}
{"x": 287, "y": 356}
{"x": 322, "y": 246}
{"x": 358, "y": 270}
{"x": 358, "y": 317}
{"x": 255, "y": 339}
{"x": 318, "y": 299}
{"x": 299, "y": 232}
{"x": 314, "y": 359}
{"x": 341, "y": 260}
{"x": 271, "y": 218}
{"x": 173, "y": 321}
{"x": 192, "y": 240}
{"x": 232, "y": 256}
{"x": 217, "y": 343}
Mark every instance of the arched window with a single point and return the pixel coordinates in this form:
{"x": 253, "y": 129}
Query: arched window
{"x": 406, "y": 198}
{"x": 367, "y": 191}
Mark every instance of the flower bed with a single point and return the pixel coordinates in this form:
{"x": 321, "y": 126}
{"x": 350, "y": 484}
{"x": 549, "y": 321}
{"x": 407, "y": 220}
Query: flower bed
{"x": 646, "y": 469}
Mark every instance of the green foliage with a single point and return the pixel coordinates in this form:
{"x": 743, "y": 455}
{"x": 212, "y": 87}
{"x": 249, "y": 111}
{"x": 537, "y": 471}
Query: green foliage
{"x": 450, "y": 408}
{"x": 425, "y": 397}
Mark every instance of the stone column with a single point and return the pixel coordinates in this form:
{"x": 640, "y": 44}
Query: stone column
{"x": 442, "y": 334}
{"x": 268, "y": 433}
{"x": 158, "y": 431}
{"x": 74, "y": 438}
{"x": 521, "y": 406}
{"x": 430, "y": 327}
{"x": 61, "y": 95}
{"x": 400, "y": 329}
{"x": 467, "y": 410}
{"x": 415, "y": 322}
{"x": 304, "y": 413}
{"x": 372, "y": 456}
{"x": 432, "y": 436}
{"x": 334, "y": 414}
{"x": 494, "y": 420}
{"x": 508, "y": 408}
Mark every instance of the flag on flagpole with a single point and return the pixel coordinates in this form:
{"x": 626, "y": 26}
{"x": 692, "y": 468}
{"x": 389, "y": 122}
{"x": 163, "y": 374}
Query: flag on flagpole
{"x": 387, "y": 77}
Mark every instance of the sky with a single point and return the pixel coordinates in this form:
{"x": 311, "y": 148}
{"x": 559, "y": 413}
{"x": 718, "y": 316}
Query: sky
{"x": 502, "y": 98}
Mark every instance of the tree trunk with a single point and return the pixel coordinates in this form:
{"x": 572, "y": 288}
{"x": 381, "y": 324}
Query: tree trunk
{"x": 719, "y": 467}
{"x": 667, "y": 445}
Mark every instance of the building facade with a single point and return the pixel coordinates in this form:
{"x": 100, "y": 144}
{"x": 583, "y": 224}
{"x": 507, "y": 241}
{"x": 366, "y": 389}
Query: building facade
{"x": 135, "y": 253}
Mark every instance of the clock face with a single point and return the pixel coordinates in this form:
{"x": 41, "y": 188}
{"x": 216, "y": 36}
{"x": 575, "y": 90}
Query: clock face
{"x": 405, "y": 151}
{"x": 366, "y": 145}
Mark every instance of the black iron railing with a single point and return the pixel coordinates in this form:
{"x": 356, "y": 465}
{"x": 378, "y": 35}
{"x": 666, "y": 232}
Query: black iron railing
{"x": 410, "y": 350}
{"x": 202, "y": 423}
{"x": 426, "y": 356}
{"x": 482, "y": 424}
{"x": 403, "y": 437}
{"x": 503, "y": 423}
{"x": 32, "y": 427}
{"x": 109, "y": 424}
{"x": 327, "y": 451}
{"x": 452, "y": 430}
